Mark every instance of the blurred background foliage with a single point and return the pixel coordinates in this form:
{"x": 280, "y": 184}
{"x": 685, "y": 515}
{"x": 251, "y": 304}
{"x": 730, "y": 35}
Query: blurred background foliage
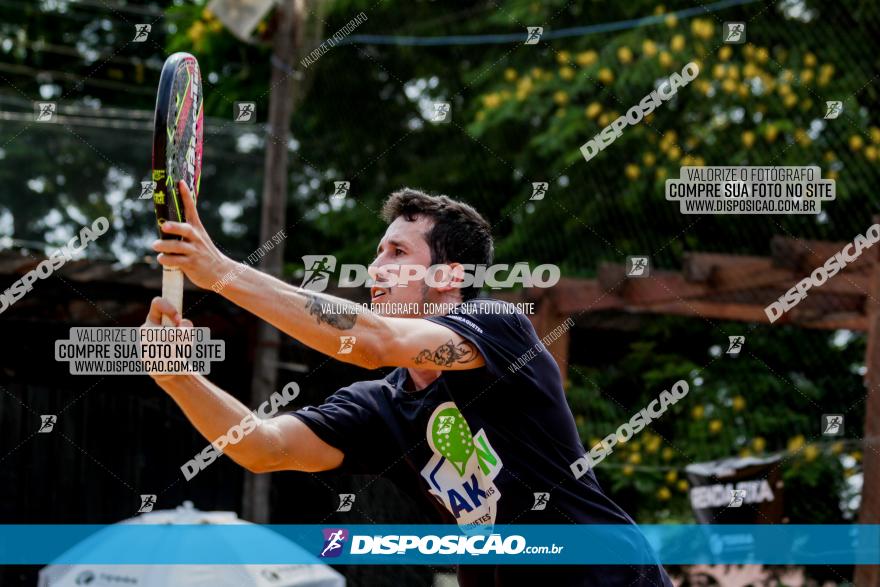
{"x": 519, "y": 114}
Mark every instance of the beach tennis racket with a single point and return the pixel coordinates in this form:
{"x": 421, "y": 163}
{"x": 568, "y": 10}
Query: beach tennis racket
{"x": 177, "y": 153}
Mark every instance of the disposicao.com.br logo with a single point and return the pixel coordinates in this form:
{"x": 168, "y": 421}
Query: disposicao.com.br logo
{"x": 450, "y": 544}
{"x": 318, "y": 269}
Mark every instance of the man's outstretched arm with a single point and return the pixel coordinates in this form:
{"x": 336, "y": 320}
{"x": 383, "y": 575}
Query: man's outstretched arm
{"x": 279, "y": 443}
{"x": 317, "y": 320}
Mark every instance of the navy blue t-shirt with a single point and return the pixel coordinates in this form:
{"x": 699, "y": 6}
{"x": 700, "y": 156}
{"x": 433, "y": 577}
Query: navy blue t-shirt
{"x": 478, "y": 445}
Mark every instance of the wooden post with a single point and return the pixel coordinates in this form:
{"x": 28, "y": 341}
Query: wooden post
{"x": 289, "y": 18}
{"x": 546, "y": 318}
{"x": 869, "y": 511}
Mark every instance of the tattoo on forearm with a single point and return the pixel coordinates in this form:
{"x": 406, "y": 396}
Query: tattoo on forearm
{"x": 448, "y": 353}
{"x": 329, "y": 313}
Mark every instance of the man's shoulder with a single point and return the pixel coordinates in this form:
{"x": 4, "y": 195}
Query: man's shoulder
{"x": 488, "y": 313}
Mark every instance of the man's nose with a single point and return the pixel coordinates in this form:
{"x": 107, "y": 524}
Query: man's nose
{"x": 377, "y": 272}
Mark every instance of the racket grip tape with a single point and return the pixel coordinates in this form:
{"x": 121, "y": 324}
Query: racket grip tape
{"x": 172, "y": 290}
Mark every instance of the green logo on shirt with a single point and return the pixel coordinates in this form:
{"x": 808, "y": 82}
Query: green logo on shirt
{"x": 452, "y": 437}
{"x": 461, "y": 471}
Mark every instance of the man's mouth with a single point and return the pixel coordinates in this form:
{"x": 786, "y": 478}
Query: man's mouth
{"x": 377, "y": 293}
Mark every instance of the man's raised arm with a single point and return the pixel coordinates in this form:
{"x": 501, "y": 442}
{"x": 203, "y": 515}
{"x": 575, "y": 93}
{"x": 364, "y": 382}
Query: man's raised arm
{"x": 323, "y": 321}
{"x": 315, "y": 319}
{"x": 274, "y": 444}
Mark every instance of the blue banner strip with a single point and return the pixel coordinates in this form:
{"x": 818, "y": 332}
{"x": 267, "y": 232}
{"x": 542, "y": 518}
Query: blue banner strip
{"x": 439, "y": 545}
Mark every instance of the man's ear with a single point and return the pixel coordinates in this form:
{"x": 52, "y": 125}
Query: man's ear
{"x": 448, "y": 277}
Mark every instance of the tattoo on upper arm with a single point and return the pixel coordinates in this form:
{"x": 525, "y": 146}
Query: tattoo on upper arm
{"x": 324, "y": 312}
{"x": 448, "y": 353}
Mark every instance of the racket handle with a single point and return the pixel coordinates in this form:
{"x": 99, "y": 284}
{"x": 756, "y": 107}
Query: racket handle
{"x": 172, "y": 290}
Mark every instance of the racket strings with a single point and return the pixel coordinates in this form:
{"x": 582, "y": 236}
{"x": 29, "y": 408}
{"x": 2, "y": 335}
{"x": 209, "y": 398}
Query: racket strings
{"x": 186, "y": 134}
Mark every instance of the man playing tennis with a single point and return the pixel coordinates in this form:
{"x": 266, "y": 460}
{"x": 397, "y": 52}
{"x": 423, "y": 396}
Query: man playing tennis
{"x": 452, "y": 425}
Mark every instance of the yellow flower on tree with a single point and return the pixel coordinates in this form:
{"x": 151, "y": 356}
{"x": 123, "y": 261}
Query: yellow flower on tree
{"x": 875, "y": 134}
{"x": 806, "y": 76}
{"x": 563, "y": 57}
{"x": 510, "y": 74}
{"x": 196, "y": 32}
{"x": 491, "y": 101}
{"x": 649, "y": 48}
{"x": 587, "y": 58}
{"x": 682, "y": 485}
{"x": 748, "y": 139}
{"x": 697, "y": 412}
{"x": 677, "y": 43}
{"x": 810, "y": 60}
{"x": 702, "y": 28}
{"x": 632, "y": 171}
{"x": 762, "y": 55}
{"x": 624, "y": 55}
{"x": 671, "y": 21}
{"x": 871, "y": 153}
{"x": 667, "y": 454}
{"x": 837, "y": 448}
{"x": 811, "y": 452}
{"x": 796, "y": 443}
{"x": 649, "y": 159}
{"x": 739, "y": 403}
{"x": 560, "y": 97}
{"x": 663, "y": 494}
{"x": 715, "y": 426}
{"x": 725, "y": 52}
{"x": 566, "y": 73}
{"x": 628, "y": 470}
{"x": 856, "y": 142}
{"x": 665, "y": 59}
{"x": 635, "y": 458}
{"x": 593, "y": 110}
{"x": 771, "y": 132}
{"x": 606, "y": 76}
{"x": 671, "y": 476}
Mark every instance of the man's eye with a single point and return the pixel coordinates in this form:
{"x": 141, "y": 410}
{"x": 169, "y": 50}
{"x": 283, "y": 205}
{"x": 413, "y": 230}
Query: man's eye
{"x": 398, "y": 252}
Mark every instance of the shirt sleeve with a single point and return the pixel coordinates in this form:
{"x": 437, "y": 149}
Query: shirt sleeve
{"x": 349, "y": 421}
{"x": 500, "y": 333}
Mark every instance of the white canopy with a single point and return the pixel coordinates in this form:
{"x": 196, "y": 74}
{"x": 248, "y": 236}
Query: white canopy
{"x": 231, "y": 575}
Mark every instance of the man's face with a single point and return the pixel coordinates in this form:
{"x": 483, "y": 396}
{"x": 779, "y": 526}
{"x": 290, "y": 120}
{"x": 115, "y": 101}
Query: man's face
{"x": 404, "y": 243}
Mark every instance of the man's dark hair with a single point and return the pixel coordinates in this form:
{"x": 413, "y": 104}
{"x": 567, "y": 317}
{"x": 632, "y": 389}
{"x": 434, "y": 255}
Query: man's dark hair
{"x": 459, "y": 235}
